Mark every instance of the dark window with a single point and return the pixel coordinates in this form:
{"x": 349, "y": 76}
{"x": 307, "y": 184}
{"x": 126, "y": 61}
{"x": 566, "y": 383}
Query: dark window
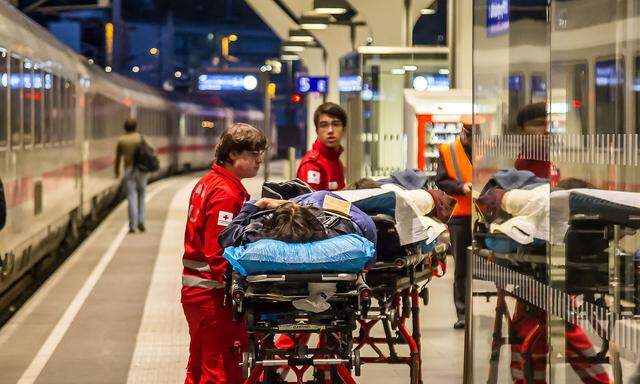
{"x": 15, "y": 85}
{"x": 609, "y": 96}
{"x": 27, "y": 104}
{"x": 38, "y": 94}
{"x": 4, "y": 96}
{"x": 47, "y": 100}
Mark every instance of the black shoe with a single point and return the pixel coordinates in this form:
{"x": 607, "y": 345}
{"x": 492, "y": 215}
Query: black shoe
{"x": 141, "y": 227}
{"x": 459, "y": 324}
{"x": 131, "y": 230}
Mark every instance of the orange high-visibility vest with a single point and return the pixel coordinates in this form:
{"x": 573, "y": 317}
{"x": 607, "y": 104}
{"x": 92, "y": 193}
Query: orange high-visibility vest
{"x": 458, "y": 167}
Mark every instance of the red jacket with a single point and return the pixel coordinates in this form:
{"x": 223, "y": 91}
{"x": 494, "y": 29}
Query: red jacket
{"x": 215, "y": 201}
{"x": 321, "y": 168}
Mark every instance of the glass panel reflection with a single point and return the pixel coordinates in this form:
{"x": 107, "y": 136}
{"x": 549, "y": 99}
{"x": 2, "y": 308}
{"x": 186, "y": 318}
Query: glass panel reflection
{"x": 557, "y": 192}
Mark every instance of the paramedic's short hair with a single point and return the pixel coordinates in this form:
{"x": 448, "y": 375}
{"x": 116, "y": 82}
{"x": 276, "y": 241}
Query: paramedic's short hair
{"x": 293, "y": 223}
{"x": 531, "y": 112}
{"x": 240, "y": 137}
{"x": 331, "y": 109}
{"x": 130, "y": 124}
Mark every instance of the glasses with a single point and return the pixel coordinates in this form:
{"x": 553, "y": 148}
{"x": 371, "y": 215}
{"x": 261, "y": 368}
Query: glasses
{"x": 334, "y": 124}
{"x": 257, "y": 154}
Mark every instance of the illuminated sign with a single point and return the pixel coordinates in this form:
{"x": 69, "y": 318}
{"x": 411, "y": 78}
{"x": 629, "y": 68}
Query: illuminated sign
{"x": 307, "y": 84}
{"x": 609, "y": 73}
{"x": 350, "y": 83}
{"x": 497, "y": 17}
{"x": 227, "y": 82}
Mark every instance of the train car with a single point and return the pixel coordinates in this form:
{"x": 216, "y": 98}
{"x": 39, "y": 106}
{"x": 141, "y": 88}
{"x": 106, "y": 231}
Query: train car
{"x": 60, "y": 117}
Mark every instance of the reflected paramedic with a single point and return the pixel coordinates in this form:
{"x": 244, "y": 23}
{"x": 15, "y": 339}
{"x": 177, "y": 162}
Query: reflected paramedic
{"x": 321, "y": 167}
{"x": 216, "y": 199}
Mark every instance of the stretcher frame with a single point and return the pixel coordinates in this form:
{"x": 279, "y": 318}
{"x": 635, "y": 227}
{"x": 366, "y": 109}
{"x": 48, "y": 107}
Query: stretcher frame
{"x": 332, "y": 358}
{"x": 395, "y": 285}
{"x": 502, "y": 313}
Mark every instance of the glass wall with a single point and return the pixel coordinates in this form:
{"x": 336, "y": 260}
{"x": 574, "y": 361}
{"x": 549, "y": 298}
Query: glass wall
{"x": 556, "y": 262}
{"x": 372, "y": 82}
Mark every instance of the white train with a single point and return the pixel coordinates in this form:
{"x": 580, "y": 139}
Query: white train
{"x": 59, "y": 120}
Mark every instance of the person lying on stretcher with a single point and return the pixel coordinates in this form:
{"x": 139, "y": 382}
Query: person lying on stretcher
{"x": 302, "y": 220}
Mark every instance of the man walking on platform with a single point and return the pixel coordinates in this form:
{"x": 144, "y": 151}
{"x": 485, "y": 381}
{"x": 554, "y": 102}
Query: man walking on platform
{"x": 321, "y": 167}
{"x": 135, "y": 180}
{"x": 454, "y": 176}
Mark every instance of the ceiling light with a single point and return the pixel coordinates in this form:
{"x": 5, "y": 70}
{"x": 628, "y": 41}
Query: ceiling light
{"x": 397, "y": 71}
{"x": 107, "y": 69}
{"x": 289, "y": 57}
{"x": 431, "y": 9}
{"x": 443, "y": 71}
{"x": 135, "y": 69}
{"x": 293, "y": 46}
{"x": 314, "y": 22}
{"x": 409, "y": 68}
{"x": 300, "y": 35}
{"x": 330, "y": 7}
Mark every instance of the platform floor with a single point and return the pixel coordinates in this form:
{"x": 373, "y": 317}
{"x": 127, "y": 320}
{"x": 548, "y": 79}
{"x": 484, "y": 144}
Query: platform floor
{"x": 111, "y": 313}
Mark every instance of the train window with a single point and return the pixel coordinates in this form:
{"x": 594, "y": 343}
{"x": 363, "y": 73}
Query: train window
{"x": 27, "y": 105}
{"x": 37, "y": 85}
{"x": 15, "y": 100}
{"x": 72, "y": 112}
{"x": 66, "y": 110}
{"x": 57, "y": 110}
{"x": 47, "y": 101}
{"x": 4, "y": 95}
{"x": 609, "y": 96}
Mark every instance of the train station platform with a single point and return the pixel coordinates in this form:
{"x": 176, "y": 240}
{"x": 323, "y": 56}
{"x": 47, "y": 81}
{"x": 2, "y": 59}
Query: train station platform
{"x": 112, "y": 314}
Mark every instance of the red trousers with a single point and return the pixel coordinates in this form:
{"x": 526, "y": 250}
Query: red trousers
{"x": 216, "y": 343}
{"x": 578, "y": 349}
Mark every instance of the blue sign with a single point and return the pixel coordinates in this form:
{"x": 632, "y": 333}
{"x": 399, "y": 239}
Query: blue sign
{"x": 497, "y": 17}
{"x": 516, "y": 83}
{"x": 307, "y": 84}
{"x": 609, "y": 73}
{"x": 350, "y": 83}
{"x": 227, "y": 82}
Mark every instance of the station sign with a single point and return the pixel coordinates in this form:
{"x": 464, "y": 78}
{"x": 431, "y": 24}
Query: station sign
{"x": 307, "y": 84}
{"x": 227, "y": 82}
{"x": 497, "y": 17}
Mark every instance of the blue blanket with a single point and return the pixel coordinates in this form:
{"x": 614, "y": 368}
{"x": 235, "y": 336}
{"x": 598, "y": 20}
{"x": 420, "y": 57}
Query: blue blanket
{"x": 346, "y": 253}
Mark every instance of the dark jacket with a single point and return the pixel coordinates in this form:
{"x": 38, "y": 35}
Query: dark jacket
{"x": 247, "y": 226}
{"x": 3, "y": 207}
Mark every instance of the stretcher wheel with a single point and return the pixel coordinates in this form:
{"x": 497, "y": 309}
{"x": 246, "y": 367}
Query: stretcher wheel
{"x": 425, "y": 295}
{"x": 393, "y": 318}
{"x": 247, "y": 364}
{"x": 357, "y": 363}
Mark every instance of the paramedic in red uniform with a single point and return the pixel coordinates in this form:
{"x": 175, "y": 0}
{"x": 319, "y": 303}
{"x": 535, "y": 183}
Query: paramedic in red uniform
{"x": 215, "y": 200}
{"x": 321, "y": 167}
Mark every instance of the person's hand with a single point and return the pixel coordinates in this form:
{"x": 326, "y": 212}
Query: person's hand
{"x": 466, "y": 188}
{"x": 268, "y": 203}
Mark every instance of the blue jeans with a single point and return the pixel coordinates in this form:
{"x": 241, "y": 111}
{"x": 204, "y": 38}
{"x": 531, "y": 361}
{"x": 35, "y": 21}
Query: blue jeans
{"x": 135, "y": 182}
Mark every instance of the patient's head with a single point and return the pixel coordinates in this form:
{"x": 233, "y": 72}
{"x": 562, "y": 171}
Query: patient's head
{"x": 293, "y": 223}
{"x": 573, "y": 183}
{"x": 364, "y": 183}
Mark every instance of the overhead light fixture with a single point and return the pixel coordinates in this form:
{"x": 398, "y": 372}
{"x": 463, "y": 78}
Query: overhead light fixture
{"x": 330, "y": 7}
{"x": 443, "y": 71}
{"x": 314, "y": 22}
{"x": 293, "y": 46}
{"x": 431, "y": 9}
{"x": 300, "y": 35}
{"x": 409, "y": 68}
{"x": 289, "y": 57}
{"x": 397, "y": 71}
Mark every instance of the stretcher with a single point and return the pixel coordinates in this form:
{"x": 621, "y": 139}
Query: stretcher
{"x": 398, "y": 282}
{"x": 590, "y": 225}
{"x": 265, "y": 302}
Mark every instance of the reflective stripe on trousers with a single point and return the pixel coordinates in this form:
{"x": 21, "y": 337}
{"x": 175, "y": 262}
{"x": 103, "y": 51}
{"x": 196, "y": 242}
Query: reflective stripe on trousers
{"x": 199, "y": 282}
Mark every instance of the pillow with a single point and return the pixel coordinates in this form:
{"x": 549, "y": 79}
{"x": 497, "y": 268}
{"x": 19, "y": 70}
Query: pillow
{"x": 345, "y": 253}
